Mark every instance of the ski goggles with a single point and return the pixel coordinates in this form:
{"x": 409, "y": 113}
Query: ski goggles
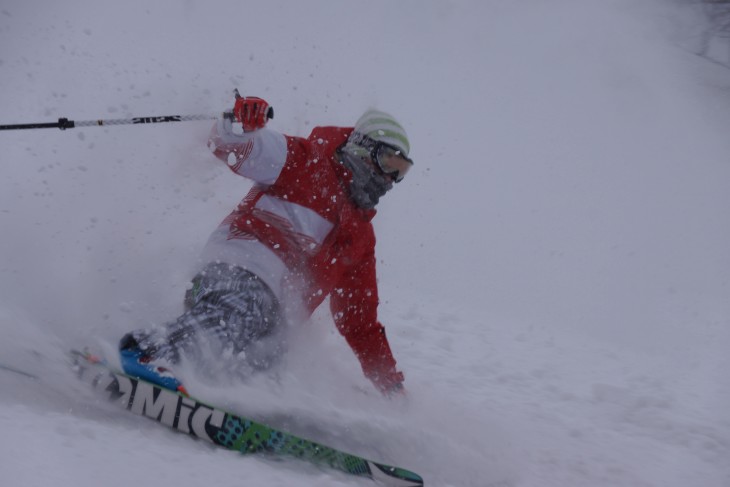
{"x": 389, "y": 159}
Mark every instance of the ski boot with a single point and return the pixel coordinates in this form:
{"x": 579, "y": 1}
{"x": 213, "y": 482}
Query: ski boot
{"x": 137, "y": 363}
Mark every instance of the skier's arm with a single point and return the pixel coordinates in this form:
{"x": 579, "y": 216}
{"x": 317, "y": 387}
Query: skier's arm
{"x": 354, "y": 305}
{"x": 259, "y": 155}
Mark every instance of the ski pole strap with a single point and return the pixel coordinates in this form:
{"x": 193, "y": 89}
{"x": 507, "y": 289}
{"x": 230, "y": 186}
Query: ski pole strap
{"x": 64, "y": 123}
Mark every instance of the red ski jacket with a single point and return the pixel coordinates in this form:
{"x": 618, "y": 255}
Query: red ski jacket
{"x": 300, "y": 232}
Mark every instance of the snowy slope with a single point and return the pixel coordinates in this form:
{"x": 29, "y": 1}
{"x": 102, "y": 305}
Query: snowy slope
{"x": 554, "y": 272}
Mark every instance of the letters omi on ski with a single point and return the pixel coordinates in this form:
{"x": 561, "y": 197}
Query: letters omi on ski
{"x": 169, "y": 408}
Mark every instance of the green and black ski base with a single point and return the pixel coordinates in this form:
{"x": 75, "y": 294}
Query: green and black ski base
{"x": 188, "y": 415}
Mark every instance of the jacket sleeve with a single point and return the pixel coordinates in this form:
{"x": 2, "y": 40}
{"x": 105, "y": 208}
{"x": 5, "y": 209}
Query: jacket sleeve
{"x": 354, "y": 305}
{"x": 259, "y": 155}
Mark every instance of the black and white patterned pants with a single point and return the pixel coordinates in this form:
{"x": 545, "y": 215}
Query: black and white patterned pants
{"x": 233, "y": 321}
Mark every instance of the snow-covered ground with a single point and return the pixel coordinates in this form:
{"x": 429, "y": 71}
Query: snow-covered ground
{"x": 554, "y": 271}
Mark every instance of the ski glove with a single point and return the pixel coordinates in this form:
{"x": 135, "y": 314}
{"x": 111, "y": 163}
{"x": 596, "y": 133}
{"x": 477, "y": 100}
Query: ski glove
{"x": 396, "y": 390}
{"x": 389, "y": 384}
{"x": 253, "y": 112}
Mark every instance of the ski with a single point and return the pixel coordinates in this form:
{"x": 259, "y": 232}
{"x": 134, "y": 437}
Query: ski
{"x": 185, "y": 414}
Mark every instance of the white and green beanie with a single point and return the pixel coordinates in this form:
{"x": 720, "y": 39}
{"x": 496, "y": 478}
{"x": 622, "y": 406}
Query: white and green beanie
{"x": 380, "y": 127}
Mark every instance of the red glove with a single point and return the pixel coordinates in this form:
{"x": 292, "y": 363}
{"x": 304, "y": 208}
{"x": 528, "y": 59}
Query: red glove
{"x": 253, "y": 112}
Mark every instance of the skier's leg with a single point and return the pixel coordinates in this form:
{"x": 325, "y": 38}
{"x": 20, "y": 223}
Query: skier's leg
{"x": 232, "y": 315}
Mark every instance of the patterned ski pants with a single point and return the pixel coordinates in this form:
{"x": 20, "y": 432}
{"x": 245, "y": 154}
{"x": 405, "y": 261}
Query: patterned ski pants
{"x": 233, "y": 322}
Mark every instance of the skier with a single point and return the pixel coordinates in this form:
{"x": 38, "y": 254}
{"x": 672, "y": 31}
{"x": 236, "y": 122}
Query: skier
{"x": 303, "y": 233}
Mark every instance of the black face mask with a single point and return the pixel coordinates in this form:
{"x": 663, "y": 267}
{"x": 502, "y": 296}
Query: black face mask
{"x": 368, "y": 184}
